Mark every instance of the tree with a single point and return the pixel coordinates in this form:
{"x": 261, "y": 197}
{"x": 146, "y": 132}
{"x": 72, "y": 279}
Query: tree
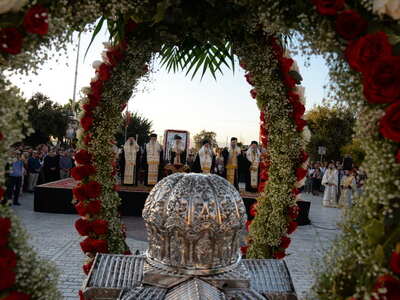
{"x": 355, "y": 150}
{"x": 331, "y": 127}
{"x": 205, "y": 135}
{"x": 47, "y": 118}
{"x": 135, "y": 124}
{"x": 73, "y": 107}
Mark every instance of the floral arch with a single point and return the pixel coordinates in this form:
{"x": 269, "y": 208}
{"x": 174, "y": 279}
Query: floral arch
{"x": 361, "y": 48}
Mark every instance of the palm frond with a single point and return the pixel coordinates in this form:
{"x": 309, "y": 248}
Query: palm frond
{"x": 190, "y": 57}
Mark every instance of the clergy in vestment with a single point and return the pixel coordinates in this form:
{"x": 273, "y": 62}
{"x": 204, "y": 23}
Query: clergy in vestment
{"x": 253, "y": 156}
{"x": 152, "y": 159}
{"x": 131, "y": 149}
{"x": 178, "y": 151}
{"x": 205, "y": 160}
{"x": 330, "y": 181}
{"x": 231, "y": 161}
{"x": 348, "y": 184}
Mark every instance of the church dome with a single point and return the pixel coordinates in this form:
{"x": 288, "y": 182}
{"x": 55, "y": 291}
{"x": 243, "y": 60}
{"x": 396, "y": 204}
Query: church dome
{"x": 194, "y": 224}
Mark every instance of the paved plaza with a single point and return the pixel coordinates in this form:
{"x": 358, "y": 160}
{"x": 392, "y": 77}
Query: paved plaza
{"x": 55, "y": 238}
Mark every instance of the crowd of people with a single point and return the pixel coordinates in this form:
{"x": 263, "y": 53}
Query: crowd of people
{"x": 28, "y": 167}
{"x": 338, "y": 181}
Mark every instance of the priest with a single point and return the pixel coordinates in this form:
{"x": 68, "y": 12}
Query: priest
{"x": 205, "y": 159}
{"x": 152, "y": 160}
{"x": 253, "y": 156}
{"x": 330, "y": 181}
{"x": 130, "y": 163}
{"x": 178, "y": 151}
{"x": 231, "y": 161}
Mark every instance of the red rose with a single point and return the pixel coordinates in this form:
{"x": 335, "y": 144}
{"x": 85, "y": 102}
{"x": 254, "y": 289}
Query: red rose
{"x": 8, "y": 258}
{"x": 36, "y": 20}
{"x": 83, "y": 157}
{"x": 298, "y": 110}
{"x": 392, "y": 286}
{"x": 291, "y": 227}
{"x": 300, "y": 173}
{"x": 362, "y": 52}
{"x": 94, "y": 207}
{"x": 285, "y": 242}
{"x": 100, "y": 246}
{"x": 264, "y": 175}
{"x": 96, "y": 88}
{"x": 262, "y": 116}
{"x": 94, "y": 100}
{"x": 300, "y": 124}
{"x": 128, "y": 252}
{"x": 81, "y": 208}
{"x": 289, "y": 81}
{"x": 328, "y": 7}
{"x": 264, "y": 139}
{"x": 244, "y": 249}
{"x": 253, "y": 93}
{"x": 261, "y": 186}
{"x": 80, "y": 172}
{"x": 249, "y": 78}
{"x": 100, "y": 226}
{"x": 7, "y": 278}
{"x": 88, "y": 107}
{"x": 86, "y": 245}
{"x": 253, "y": 209}
{"x": 395, "y": 262}
{"x": 115, "y": 56}
{"x": 79, "y": 194}
{"x": 130, "y": 26}
{"x": 14, "y": 295}
{"x": 279, "y": 255}
{"x": 389, "y": 124}
{"x": 87, "y": 139}
{"x": 81, "y": 296}
{"x": 350, "y": 25}
{"x": 83, "y": 227}
{"x": 248, "y": 223}
{"x": 397, "y": 158}
{"x": 10, "y": 40}
{"x": 295, "y": 191}
{"x": 286, "y": 63}
{"x": 92, "y": 189}
{"x": 242, "y": 65}
{"x": 104, "y": 71}
{"x": 1, "y": 136}
{"x": 5, "y": 226}
{"x": 293, "y": 212}
{"x": 381, "y": 80}
{"x": 86, "y": 268}
{"x": 2, "y": 192}
{"x": 87, "y": 121}
{"x": 303, "y": 156}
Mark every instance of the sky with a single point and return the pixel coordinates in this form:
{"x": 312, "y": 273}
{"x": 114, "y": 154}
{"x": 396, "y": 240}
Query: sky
{"x": 172, "y": 100}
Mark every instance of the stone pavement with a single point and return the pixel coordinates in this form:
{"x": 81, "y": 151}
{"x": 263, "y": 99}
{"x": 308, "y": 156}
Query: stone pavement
{"x": 55, "y": 238}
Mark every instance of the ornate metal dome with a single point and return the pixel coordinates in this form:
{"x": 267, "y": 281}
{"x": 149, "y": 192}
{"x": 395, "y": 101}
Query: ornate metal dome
{"x": 194, "y": 224}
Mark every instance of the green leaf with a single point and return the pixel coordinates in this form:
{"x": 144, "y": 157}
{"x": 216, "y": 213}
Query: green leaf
{"x": 375, "y": 231}
{"x": 379, "y": 255}
{"x": 161, "y": 9}
{"x": 95, "y": 32}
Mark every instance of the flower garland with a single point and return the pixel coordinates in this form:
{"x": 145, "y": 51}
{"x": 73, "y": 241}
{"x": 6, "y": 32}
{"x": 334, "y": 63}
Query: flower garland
{"x": 96, "y": 199}
{"x": 18, "y": 261}
{"x": 376, "y": 248}
{"x": 281, "y": 95}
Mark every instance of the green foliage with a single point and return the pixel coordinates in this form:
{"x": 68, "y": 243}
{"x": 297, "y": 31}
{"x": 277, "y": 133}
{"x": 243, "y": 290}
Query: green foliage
{"x": 355, "y": 150}
{"x": 47, "y": 118}
{"x": 205, "y": 135}
{"x": 331, "y": 127}
{"x": 137, "y": 125}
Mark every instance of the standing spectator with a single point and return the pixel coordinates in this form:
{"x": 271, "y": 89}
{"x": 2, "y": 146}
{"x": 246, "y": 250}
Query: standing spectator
{"x": 34, "y": 167}
{"x": 51, "y": 167}
{"x": 66, "y": 164}
{"x": 347, "y": 162}
{"x": 316, "y": 180}
{"x": 14, "y": 173}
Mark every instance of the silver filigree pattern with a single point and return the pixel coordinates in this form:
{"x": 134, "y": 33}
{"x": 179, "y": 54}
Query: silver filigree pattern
{"x": 194, "y": 223}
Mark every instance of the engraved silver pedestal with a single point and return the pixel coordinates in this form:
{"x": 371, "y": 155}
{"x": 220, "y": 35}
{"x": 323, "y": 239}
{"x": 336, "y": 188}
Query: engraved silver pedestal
{"x": 121, "y": 277}
{"x": 194, "y": 225}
